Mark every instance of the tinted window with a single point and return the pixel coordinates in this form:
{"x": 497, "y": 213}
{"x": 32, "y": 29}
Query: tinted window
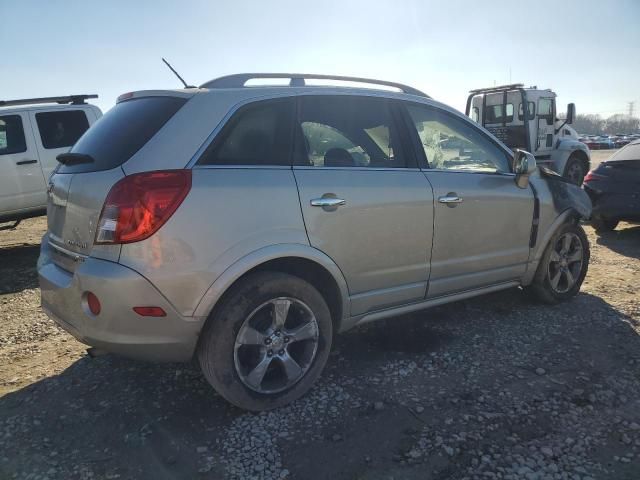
{"x": 499, "y": 113}
{"x": 629, "y": 152}
{"x": 347, "y": 132}
{"x": 532, "y": 110}
{"x": 11, "y": 135}
{"x": 122, "y": 131}
{"x": 451, "y": 143}
{"x": 61, "y": 129}
{"x": 258, "y": 134}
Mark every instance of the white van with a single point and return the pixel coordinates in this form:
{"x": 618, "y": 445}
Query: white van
{"x": 32, "y": 133}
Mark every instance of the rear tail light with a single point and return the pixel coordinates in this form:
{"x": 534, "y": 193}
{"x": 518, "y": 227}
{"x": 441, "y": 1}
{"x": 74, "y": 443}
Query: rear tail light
{"x": 138, "y": 205}
{"x": 593, "y": 176}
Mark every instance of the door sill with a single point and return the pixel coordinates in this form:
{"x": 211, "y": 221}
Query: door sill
{"x": 432, "y": 302}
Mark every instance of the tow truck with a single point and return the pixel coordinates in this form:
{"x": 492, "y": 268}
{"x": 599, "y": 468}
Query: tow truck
{"x": 526, "y": 118}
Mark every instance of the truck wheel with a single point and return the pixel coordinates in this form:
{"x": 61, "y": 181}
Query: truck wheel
{"x": 601, "y": 224}
{"x": 267, "y": 342}
{"x": 563, "y": 266}
{"x": 575, "y": 170}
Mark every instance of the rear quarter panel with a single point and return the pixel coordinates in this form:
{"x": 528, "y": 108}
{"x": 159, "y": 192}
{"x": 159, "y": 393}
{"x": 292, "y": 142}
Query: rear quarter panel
{"x": 228, "y": 214}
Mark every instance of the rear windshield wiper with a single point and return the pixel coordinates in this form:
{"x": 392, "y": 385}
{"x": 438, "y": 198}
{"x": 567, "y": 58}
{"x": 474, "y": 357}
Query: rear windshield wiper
{"x": 74, "y": 158}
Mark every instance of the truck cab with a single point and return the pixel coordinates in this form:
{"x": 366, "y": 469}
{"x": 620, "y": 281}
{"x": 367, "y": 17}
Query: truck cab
{"x": 526, "y": 118}
{"x": 33, "y": 132}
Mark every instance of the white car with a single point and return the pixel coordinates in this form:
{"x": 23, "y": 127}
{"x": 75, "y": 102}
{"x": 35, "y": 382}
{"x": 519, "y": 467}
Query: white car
{"x": 32, "y": 133}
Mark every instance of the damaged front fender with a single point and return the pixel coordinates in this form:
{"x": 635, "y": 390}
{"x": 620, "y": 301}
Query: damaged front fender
{"x": 566, "y": 195}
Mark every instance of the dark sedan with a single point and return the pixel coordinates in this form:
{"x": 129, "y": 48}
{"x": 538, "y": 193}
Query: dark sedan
{"x": 614, "y": 188}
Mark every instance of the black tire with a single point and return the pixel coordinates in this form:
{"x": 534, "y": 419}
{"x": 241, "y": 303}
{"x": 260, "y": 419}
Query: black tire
{"x": 217, "y": 347}
{"x": 575, "y": 170}
{"x": 601, "y": 224}
{"x": 542, "y": 286}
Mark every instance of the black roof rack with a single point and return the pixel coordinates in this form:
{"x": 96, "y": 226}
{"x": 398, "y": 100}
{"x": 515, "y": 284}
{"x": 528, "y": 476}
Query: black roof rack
{"x": 499, "y": 88}
{"x": 72, "y": 99}
{"x": 298, "y": 80}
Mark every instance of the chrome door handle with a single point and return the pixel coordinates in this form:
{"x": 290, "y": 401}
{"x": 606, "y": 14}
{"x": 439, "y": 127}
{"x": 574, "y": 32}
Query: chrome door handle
{"x": 449, "y": 198}
{"x": 327, "y": 202}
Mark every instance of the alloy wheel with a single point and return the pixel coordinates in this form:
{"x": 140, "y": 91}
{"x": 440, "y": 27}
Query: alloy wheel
{"x": 276, "y": 345}
{"x": 565, "y": 262}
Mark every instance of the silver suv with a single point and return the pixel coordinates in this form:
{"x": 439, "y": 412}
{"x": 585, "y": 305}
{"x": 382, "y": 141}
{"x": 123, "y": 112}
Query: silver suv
{"x": 245, "y": 225}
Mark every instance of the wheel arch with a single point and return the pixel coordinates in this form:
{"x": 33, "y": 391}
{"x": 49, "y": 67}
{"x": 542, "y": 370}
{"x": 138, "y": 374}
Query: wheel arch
{"x": 301, "y": 261}
{"x": 569, "y": 215}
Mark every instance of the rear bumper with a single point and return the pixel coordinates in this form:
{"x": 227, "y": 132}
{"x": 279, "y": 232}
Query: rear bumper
{"x": 117, "y": 328}
{"x": 621, "y": 206}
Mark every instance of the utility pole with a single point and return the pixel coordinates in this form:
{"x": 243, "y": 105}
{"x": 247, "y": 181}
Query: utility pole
{"x": 631, "y": 105}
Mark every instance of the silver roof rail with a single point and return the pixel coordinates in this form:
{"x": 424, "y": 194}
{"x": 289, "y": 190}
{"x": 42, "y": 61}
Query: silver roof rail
{"x": 298, "y": 80}
{"x": 72, "y": 99}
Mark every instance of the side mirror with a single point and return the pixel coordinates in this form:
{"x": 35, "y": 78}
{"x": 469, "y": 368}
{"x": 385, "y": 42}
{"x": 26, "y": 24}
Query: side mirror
{"x": 524, "y": 164}
{"x": 571, "y": 113}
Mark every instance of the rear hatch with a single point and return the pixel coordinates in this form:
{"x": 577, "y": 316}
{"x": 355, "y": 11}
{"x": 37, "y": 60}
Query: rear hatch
{"x": 79, "y": 187}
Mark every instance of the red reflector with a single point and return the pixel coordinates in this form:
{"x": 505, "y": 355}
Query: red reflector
{"x": 138, "y": 205}
{"x": 150, "y": 311}
{"x": 93, "y": 303}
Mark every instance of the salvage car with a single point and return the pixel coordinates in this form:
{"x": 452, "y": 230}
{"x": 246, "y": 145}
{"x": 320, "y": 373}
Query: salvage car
{"x": 246, "y": 225}
{"x": 614, "y": 189}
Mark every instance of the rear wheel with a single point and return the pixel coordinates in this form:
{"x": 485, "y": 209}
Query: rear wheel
{"x": 268, "y": 341}
{"x": 575, "y": 170}
{"x": 601, "y": 224}
{"x": 563, "y": 266}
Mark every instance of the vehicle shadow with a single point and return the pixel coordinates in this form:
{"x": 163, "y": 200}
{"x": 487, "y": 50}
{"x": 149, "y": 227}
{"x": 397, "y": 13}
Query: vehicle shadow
{"x": 110, "y": 416}
{"x": 625, "y": 241}
{"x": 18, "y": 268}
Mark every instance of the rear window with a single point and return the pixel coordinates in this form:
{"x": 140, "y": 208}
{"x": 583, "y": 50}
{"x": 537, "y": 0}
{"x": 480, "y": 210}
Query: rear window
{"x": 629, "y": 152}
{"x": 61, "y": 129}
{"x": 498, "y": 114}
{"x": 122, "y": 131}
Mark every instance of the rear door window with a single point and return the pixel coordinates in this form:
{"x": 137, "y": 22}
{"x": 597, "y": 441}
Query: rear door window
{"x": 61, "y": 129}
{"x": 122, "y": 131}
{"x": 12, "y": 135}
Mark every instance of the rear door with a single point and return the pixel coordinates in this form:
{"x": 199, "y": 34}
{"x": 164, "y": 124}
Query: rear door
{"x": 22, "y": 185}
{"x": 364, "y": 201}
{"x": 482, "y": 220}
{"x": 55, "y": 132}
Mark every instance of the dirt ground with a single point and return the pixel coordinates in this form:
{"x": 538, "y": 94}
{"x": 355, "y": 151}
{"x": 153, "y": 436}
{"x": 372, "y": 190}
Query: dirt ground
{"x": 494, "y": 387}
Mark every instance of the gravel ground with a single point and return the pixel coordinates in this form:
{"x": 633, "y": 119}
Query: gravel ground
{"x": 494, "y": 387}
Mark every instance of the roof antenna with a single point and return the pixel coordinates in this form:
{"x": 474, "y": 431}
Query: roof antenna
{"x": 178, "y": 75}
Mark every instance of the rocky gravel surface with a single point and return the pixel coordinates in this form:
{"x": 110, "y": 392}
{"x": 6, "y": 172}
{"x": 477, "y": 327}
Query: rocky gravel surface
{"x": 497, "y": 387}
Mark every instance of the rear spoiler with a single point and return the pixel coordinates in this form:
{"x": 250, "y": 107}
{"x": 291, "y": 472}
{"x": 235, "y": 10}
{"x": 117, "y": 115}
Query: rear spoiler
{"x": 71, "y": 99}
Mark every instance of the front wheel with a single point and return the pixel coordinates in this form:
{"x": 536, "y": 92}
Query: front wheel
{"x": 575, "y": 170}
{"x": 563, "y": 266}
{"x": 267, "y": 342}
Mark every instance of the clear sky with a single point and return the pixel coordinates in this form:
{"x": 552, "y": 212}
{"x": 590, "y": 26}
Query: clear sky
{"x": 587, "y": 51}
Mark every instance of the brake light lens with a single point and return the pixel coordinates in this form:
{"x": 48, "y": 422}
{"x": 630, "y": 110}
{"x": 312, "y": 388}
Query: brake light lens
{"x": 138, "y": 205}
{"x": 593, "y": 176}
